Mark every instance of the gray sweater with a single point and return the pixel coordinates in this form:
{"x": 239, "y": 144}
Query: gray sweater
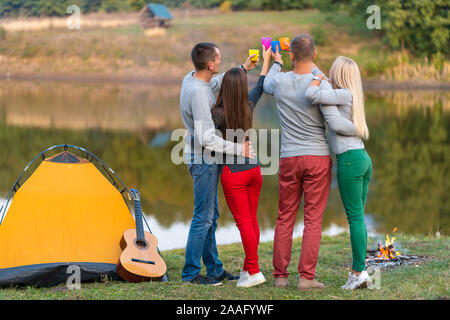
{"x": 302, "y": 123}
{"x": 196, "y": 100}
{"x": 325, "y": 94}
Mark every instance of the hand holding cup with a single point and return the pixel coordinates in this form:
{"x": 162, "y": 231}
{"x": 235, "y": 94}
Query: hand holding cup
{"x": 267, "y": 53}
{"x": 285, "y": 44}
{"x": 250, "y": 64}
{"x": 276, "y": 55}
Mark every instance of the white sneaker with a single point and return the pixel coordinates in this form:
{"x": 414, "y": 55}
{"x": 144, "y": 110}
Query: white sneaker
{"x": 252, "y": 280}
{"x": 350, "y": 279}
{"x": 242, "y": 276}
{"x": 359, "y": 282}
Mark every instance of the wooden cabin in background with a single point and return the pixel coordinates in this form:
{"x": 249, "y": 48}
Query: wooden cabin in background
{"x": 154, "y": 15}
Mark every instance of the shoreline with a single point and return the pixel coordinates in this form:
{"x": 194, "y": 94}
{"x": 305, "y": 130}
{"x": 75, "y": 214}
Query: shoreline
{"x": 370, "y": 84}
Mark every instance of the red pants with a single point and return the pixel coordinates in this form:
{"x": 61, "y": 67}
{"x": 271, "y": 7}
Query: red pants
{"x": 242, "y": 191}
{"x": 310, "y": 175}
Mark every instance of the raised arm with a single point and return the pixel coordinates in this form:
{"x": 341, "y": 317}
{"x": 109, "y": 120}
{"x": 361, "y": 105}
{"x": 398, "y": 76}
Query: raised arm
{"x": 329, "y": 96}
{"x": 316, "y": 71}
{"x": 257, "y": 91}
{"x": 216, "y": 81}
{"x": 270, "y": 82}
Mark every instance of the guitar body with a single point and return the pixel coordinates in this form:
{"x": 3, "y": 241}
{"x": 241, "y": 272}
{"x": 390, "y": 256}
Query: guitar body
{"x": 138, "y": 261}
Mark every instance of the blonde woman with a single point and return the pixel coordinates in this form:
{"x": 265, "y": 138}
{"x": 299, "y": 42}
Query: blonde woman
{"x": 354, "y": 167}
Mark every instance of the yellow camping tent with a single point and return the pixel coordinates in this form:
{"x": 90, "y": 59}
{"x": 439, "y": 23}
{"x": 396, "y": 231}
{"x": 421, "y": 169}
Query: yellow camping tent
{"x": 66, "y": 213}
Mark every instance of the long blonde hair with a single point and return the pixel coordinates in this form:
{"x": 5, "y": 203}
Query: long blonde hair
{"x": 344, "y": 73}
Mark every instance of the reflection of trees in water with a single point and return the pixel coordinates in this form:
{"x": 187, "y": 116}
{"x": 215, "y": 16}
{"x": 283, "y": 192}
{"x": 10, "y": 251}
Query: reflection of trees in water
{"x": 411, "y": 156}
{"x": 166, "y": 188}
{"x": 89, "y": 106}
{"x": 409, "y": 147}
{"x": 396, "y": 103}
{"x": 161, "y": 183}
{"x": 417, "y": 99}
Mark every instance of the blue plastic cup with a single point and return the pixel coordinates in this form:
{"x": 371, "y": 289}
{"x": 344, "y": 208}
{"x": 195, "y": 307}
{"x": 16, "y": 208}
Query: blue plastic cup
{"x": 274, "y": 44}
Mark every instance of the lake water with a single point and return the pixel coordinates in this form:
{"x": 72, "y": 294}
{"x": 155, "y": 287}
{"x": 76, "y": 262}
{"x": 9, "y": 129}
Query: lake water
{"x": 128, "y": 126}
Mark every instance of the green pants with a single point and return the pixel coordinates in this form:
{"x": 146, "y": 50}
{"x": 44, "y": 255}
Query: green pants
{"x": 354, "y": 169}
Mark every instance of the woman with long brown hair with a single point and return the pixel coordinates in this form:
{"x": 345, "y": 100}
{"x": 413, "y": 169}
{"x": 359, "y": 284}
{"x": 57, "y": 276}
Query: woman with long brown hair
{"x": 241, "y": 177}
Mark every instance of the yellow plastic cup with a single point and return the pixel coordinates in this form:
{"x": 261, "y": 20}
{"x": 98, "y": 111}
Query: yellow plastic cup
{"x": 255, "y": 52}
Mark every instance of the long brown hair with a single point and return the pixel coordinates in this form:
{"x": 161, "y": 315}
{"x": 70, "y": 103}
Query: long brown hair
{"x": 233, "y": 98}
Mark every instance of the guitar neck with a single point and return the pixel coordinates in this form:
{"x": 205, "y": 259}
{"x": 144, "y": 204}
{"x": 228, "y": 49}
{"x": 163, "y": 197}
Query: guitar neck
{"x": 138, "y": 218}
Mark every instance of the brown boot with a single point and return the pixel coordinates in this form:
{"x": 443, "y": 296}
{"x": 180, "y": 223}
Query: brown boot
{"x": 305, "y": 284}
{"x": 281, "y": 282}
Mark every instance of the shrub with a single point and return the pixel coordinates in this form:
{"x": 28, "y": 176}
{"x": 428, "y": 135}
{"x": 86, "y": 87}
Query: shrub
{"x": 2, "y": 33}
{"x": 225, "y": 7}
{"x": 319, "y": 35}
{"x": 437, "y": 60}
{"x": 29, "y": 51}
{"x": 114, "y": 5}
{"x": 137, "y": 4}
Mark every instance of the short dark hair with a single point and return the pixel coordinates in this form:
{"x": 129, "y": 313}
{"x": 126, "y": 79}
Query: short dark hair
{"x": 203, "y": 53}
{"x": 302, "y": 47}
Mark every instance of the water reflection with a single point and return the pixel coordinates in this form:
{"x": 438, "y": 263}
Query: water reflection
{"x": 411, "y": 151}
{"x": 127, "y": 126}
{"x": 175, "y": 236}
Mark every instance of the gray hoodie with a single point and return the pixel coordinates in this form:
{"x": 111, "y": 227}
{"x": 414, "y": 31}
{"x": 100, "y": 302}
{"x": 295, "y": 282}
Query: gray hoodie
{"x": 302, "y": 123}
{"x": 196, "y": 100}
{"x": 326, "y": 95}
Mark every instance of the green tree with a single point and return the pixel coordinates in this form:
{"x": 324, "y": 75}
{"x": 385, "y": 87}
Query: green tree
{"x": 136, "y": 4}
{"x": 114, "y": 6}
{"x": 422, "y": 26}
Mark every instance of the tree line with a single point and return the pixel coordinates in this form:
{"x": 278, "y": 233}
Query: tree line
{"x": 421, "y": 26}
{"x": 58, "y": 7}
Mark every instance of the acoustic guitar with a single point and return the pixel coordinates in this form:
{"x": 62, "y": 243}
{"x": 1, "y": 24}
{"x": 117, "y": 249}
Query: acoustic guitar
{"x": 140, "y": 260}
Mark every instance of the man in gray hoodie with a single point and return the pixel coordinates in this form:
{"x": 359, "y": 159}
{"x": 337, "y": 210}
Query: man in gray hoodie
{"x": 305, "y": 164}
{"x": 196, "y": 100}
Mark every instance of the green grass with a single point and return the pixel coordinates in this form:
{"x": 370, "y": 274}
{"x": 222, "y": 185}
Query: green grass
{"x": 428, "y": 280}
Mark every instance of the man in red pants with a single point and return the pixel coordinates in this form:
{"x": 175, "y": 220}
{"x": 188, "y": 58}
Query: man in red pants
{"x": 305, "y": 164}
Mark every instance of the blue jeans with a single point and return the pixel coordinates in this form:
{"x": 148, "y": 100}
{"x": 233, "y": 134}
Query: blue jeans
{"x": 201, "y": 243}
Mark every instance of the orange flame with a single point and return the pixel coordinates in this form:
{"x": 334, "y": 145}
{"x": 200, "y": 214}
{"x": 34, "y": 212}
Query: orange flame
{"x": 387, "y": 251}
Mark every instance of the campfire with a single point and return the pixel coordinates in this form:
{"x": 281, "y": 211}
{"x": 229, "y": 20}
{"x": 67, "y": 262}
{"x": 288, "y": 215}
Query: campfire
{"x": 386, "y": 256}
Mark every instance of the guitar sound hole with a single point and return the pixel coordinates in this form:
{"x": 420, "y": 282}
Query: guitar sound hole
{"x": 140, "y": 244}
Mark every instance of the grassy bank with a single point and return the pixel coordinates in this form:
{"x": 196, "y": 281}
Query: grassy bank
{"x": 428, "y": 280}
{"x": 118, "y": 47}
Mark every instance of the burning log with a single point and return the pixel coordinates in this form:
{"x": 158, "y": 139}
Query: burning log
{"x": 386, "y": 256}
